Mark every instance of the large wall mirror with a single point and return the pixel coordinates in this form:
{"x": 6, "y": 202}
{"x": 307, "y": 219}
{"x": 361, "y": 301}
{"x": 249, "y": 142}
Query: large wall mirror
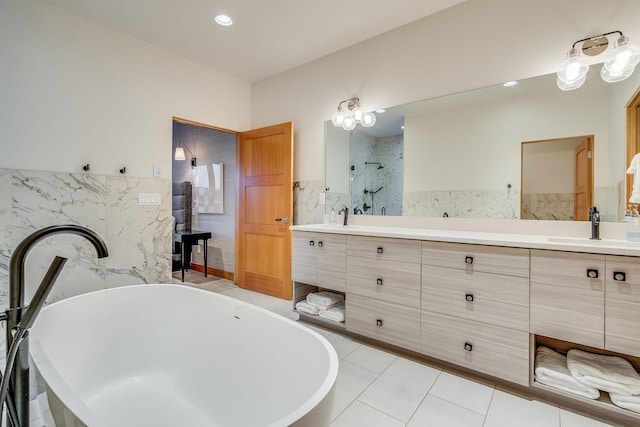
{"x": 461, "y": 155}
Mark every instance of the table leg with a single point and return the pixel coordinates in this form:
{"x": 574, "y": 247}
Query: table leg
{"x": 205, "y": 257}
{"x": 182, "y": 257}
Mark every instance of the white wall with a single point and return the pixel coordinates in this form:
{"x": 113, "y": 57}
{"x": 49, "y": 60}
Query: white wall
{"x": 475, "y": 44}
{"x": 76, "y": 92}
{"x": 549, "y": 167}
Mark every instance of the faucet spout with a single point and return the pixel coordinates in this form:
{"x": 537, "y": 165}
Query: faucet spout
{"x": 345, "y": 211}
{"x": 594, "y": 217}
{"x": 20, "y": 318}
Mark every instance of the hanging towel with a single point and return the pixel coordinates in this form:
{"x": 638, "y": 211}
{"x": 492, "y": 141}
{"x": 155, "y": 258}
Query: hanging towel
{"x": 551, "y": 369}
{"x": 608, "y": 373}
{"x": 335, "y": 313}
{"x": 305, "y": 307}
{"x": 324, "y": 299}
{"x": 631, "y": 403}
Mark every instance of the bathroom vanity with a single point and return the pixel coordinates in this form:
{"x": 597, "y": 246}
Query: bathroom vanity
{"x": 481, "y": 301}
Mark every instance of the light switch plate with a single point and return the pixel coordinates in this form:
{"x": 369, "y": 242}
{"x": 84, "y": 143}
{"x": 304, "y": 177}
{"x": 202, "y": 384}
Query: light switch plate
{"x": 148, "y": 199}
{"x": 156, "y": 170}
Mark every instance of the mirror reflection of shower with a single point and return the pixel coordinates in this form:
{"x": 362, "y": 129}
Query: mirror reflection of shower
{"x": 376, "y": 174}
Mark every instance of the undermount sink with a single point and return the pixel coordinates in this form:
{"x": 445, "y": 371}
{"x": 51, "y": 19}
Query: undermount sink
{"x": 590, "y": 242}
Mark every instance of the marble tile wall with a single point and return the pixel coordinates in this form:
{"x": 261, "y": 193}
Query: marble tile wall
{"x": 548, "y": 206}
{"x": 306, "y": 206}
{"x": 138, "y": 237}
{"x": 500, "y": 204}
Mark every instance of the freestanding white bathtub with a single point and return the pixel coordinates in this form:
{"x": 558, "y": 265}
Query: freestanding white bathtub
{"x": 169, "y": 355}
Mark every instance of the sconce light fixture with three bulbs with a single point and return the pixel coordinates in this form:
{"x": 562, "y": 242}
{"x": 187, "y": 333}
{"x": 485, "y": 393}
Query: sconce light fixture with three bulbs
{"x": 350, "y": 113}
{"x": 619, "y": 65}
{"x": 179, "y": 154}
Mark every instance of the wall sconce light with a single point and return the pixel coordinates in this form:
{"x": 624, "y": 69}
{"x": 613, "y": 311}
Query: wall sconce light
{"x": 620, "y": 64}
{"x": 349, "y": 115}
{"x": 179, "y": 154}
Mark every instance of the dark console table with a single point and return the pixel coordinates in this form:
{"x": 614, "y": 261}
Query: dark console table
{"x": 186, "y": 240}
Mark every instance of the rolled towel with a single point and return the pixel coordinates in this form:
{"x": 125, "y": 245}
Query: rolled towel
{"x": 631, "y": 403}
{"x": 335, "y": 313}
{"x": 551, "y": 369}
{"x": 305, "y": 307}
{"x": 324, "y": 299}
{"x": 608, "y": 373}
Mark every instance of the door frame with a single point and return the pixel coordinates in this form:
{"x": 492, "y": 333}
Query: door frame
{"x": 632, "y": 118}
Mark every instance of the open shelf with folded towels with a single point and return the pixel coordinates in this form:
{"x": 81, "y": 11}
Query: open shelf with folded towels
{"x": 319, "y": 304}
{"x": 599, "y": 378}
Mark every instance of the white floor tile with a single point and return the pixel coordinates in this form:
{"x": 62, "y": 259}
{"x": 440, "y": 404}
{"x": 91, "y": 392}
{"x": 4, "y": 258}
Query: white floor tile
{"x": 359, "y": 414}
{"x": 571, "y": 419}
{"x": 399, "y": 390}
{"x": 508, "y": 410}
{"x": 351, "y": 382}
{"x": 436, "y": 412}
{"x": 371, "y": 358}
{"x": 463, "y": 392}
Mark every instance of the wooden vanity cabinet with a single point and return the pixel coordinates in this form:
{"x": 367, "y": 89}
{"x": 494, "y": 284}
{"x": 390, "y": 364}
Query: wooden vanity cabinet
{"x": 622, "y": 305}
{"x": 319, "y": 259}
{"x": 568, "y": 296}
{"x": 383, "y": 289}
{"x": 475, "y": 308}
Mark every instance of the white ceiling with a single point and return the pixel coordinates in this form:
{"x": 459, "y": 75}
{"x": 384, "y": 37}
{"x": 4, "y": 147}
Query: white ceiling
{"x": 269, "y": 36}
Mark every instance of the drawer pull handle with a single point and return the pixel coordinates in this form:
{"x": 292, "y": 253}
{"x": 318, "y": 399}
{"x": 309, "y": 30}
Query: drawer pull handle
{"x": 468, "y": 260}
{"x": 592, "y": 273}
{"x": 469, "y": 297}
{"x": 379, "y": 322}
{"x": 312, "y": 243}
{"x": 619, "y": 276}
{"x": 468, "y": 346}
{"x": 320, "y": 244}
{"x": 380, "y": 250}
{"x": 379, "y": 282}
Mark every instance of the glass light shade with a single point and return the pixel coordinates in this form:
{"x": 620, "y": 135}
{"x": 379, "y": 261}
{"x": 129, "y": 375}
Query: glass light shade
{"x": 358, "y": 112}
{"x": 572, "y": 71}
{"x": 349, "y": 123}
{"x": 338, "y": 118}
{"x": 368, "y": 120}
{"x": 223, "y": 20}
{"x": 179, "y": 155}
{"x": 624, "y": 55}
{"x": 571, "y": 86}
{"x": 616, "y": 75}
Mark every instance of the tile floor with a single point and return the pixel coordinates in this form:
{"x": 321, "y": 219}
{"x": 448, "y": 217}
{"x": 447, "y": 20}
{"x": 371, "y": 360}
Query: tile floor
{"x": 376, "y": 388}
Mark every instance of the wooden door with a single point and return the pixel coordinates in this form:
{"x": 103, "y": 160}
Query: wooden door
{"x": 265, "y": 209}
{"x": 583, "y": 181}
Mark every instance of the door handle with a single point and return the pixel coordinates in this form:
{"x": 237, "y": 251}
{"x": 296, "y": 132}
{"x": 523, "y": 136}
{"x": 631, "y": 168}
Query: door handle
{"x": 283, "y": 219}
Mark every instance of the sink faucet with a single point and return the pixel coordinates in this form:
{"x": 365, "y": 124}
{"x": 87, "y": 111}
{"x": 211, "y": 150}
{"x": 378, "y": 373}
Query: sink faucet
{"x": 594, "y": 217}
{"x": 20, "y": 318}
{"x": 344, "y": 210}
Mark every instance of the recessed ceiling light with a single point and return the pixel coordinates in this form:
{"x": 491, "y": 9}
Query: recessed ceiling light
{"x": 224, "y": 20}
{"x": 511, "y": 83}
{"x": 380, "y": 110}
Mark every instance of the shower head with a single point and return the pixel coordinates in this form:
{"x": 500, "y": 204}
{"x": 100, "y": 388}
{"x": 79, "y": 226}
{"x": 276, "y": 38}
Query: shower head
{"x": 374, "y": 163}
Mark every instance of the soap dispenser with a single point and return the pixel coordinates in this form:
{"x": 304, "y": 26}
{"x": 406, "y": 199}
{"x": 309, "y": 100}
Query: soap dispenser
{"x": 333, "y": 220}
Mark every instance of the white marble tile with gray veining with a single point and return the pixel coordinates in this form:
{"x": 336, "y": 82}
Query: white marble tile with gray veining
{"x": 307, "y": 209}
{"x": 139, "y": 236}
{"x": 5, "y": 232}
{"x": 463, "y": 204}
{"x": 548, "y": 206}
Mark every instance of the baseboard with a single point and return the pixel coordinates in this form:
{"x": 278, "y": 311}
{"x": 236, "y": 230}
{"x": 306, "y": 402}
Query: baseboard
{"x": 229, "y": 275}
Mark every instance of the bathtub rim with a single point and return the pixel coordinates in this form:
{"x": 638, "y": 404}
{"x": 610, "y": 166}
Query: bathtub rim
{"x": 72, "y": 401}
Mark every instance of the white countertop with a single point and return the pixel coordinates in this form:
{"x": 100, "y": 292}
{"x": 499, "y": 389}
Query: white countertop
{"x": 532, "y": 241}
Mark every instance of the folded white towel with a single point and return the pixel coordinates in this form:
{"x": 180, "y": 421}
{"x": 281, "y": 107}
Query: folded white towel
{"x": 551, "y": 369}
{"x": 336, "y": 313}
{"x": 631, "y": 403}
{"x": 305, "y": 307}
{"x": 324, "y": 299}
{"x": 608, "y": 373}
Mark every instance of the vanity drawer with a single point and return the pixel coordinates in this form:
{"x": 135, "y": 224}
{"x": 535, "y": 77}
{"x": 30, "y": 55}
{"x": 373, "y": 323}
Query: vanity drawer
{"x": 494, "y": 350}
{"x": 565, "y": 302}
{"x": 385, "y": 321}
{"x": 303, "y": 257}
{"x": 491, "y": 298}
{"x": 384, "y": 248}
{"x": 388, "y": 280}
{"x": 477, "y": 258}
{"x": 331, "y": 263}
{"x": 622, "y": 305}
